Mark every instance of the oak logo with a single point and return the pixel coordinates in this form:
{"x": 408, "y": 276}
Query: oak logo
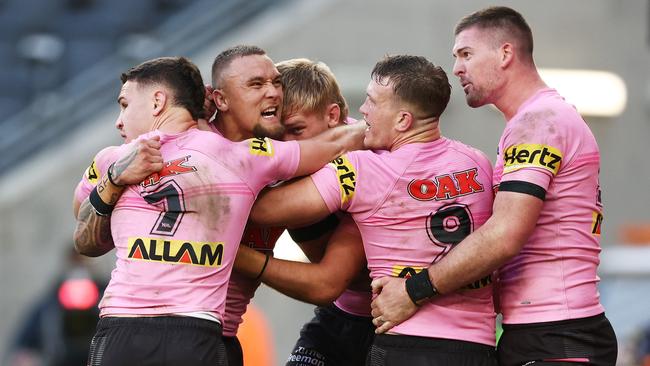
{"x": 532, "y": 156}
{"x": 173, "y": 167}
{"x": 206, "y": 254}
{"x": 445, "y": 186}
{"x": 91, "y": 173}
{"x": 347, "y": 177}
{"x": 261, "y": 146}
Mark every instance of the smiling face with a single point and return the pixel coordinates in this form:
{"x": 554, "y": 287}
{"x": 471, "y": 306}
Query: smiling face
{"x": 252, "y": 91}
{"x": 477, "y": 65}
{"x": 380, "y": 111}
{"x": 136, "y": 110}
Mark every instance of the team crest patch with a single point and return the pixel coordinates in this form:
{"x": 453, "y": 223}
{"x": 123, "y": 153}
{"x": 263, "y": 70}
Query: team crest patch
{"x": 532, "y": 156}
{"x": 261, "y": 146}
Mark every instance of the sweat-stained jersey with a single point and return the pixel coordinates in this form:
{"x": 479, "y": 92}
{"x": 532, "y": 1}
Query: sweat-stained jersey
{"x": 548, "y": 151}
{"x": 412, "y": 206}
{"x": 176, "y": 234}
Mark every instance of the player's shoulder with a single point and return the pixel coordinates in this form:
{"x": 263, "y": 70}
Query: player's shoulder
{"x": 106, "y": 154}
{"x": 468, "y": 150}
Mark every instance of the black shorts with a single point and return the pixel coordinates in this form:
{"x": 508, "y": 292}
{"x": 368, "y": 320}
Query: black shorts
{"x": 333, "y": 338}
{"x": 585, "y": 341}
{"x": 153, "y": 341}
{"x": 398, "y": 350}
{"x": 234, "y": 352}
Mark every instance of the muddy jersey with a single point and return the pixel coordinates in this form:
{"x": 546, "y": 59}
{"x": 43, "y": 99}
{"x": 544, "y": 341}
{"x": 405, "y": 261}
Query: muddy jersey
{"x": 176, "y": 233}
{"x": 548, "y": 151}
{"x": 412, "y": 206}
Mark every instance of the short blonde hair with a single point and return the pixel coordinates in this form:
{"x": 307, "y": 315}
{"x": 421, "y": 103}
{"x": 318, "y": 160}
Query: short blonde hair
{"x": 309, "y": 87}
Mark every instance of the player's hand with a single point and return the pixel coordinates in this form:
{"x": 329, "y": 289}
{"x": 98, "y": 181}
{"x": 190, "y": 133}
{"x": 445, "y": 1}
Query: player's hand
{"x": 209, "y": 106}
{"x": 143, "y": 160}
{"x": 392, "y": 304}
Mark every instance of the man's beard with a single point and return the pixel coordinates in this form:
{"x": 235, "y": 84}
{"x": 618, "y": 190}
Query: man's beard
{"x": 272, "y": 133}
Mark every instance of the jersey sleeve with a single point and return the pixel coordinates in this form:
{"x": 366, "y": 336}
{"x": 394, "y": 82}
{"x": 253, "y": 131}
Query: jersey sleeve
{"x": 532, "y": 157}
{"x": 336, "y": 182}
{"x": 94, "y": 172}
{"x": 269, "y": 161}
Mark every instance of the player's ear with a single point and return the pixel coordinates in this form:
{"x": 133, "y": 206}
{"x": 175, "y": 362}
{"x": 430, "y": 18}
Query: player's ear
{"x": 333, "y": 115}
{"x": 159, "y": 101}
{"x": 220, "y": 100}
{"x": 507, "y": 53}
{"x": 405, "y": 121}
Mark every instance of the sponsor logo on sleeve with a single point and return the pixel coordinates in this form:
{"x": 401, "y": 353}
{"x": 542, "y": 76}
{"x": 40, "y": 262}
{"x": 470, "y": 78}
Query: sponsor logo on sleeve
{"x": 205, "y": 254}
{"x": 596, "y": 222}
{"x": 532, "y": 156}
{"x": 261, "y": 146}
{"x": 91, "y": 173}
{"x": 347, "y": 177}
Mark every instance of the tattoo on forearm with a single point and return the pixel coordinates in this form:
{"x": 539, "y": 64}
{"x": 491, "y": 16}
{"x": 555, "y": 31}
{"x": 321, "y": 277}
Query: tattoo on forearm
{"x": 120, "y": 166}
{"x": 92, "y": 235}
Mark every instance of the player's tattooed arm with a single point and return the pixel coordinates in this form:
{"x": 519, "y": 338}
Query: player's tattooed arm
{"x": 92, "y": 236}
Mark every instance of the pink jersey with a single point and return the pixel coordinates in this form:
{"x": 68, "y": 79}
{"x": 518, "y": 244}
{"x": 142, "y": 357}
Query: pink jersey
{"x": 355, "y": 302}
{"x": 412, "y": 206}
{"x": 548, "y": 144}
{"x": 241, "y": 289}
{"x": 176, "y": 234}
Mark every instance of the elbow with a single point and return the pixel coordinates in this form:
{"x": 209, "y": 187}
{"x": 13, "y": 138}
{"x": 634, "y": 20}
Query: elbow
{"x": 262, "y": 214}
{"x": 83, "y": 247}
{"x": 510, "y": 247}
{"x": 326, "y": 293}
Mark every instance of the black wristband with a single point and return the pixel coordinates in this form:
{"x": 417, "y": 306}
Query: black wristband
{"x": 419, "y": 287}
{"x": 101, "y": 207}
{"x": 110, "y": 176}
{"x": 266, "y": 261}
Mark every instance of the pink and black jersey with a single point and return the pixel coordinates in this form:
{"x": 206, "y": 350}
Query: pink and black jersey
{"x": 412, "y": 206}
{"x": 548, "y": 151}
{"x": 176, "y": 234}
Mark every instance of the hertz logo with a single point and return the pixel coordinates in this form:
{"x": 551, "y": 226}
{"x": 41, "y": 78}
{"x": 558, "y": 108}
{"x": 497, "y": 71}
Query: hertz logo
{"x": 261, "y": 146}
{"x": 347, "y": 177}
{"x": 176, "y": 251}
{"x": 91, "y": 173}
{"x": 532, "y": 156}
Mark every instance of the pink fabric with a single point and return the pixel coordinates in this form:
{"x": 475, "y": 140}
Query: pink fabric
{"x": 355, "y": 302}
{"x": 554, "y": 276}
{"x": 410, "y": 206}
{"x": 211, "y": 183}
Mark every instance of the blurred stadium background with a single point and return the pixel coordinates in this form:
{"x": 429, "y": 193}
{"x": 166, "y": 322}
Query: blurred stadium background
{"x": 60, "y": 62}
